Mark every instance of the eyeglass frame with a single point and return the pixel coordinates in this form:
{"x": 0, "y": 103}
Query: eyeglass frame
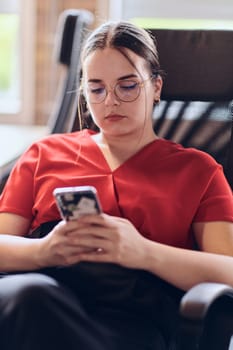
{"x": 139, "y": 84}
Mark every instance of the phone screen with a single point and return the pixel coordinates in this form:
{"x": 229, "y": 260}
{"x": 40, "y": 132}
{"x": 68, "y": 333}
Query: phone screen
{"x": 74, "y": 202}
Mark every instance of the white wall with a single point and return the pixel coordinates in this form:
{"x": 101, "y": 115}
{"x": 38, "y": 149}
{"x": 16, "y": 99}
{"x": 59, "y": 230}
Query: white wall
{"x": 208, "y": 9}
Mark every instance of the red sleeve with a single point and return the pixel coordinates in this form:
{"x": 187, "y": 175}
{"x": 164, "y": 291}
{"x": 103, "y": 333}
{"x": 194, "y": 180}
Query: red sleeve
{"x": 217, "y": 200}
{"x": 18, "y": 194}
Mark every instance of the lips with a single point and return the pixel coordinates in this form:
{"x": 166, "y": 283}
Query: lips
{"x": 114, "y": 117}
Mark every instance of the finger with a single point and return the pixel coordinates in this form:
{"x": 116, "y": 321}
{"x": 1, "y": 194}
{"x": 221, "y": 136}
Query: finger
{"x": 68, "y": 227}
{"x": 91, "y": 242}
{"x": 91, "y": 231}
{"x": 95, "y": 256}
{"x": 99, "y": 220}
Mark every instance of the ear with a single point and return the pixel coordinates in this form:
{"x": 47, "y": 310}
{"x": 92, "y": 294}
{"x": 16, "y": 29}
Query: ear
{"x": 158, "y": 84}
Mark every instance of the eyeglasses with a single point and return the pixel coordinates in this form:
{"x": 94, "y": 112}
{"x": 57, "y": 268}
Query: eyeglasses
{"x": 124, "y": 90}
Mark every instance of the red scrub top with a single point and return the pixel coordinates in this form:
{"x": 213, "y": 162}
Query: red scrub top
{"x": 162, "y": 189}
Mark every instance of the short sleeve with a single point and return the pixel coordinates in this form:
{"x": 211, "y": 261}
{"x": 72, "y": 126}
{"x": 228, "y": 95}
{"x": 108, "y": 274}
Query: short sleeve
{"x": 18, "y": 194}
{"x": 216, "y": 203}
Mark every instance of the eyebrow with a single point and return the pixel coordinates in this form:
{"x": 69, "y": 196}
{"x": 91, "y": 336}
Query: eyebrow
{"x": 124, "y": 77}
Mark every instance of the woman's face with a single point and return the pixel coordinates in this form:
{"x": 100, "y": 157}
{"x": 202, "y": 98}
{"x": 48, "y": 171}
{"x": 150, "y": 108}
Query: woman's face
{"x": 104, "y": 69}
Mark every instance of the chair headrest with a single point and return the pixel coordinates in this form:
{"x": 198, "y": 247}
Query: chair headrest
{"x": 68, "y": 21}
{"x": 198, "y": 63}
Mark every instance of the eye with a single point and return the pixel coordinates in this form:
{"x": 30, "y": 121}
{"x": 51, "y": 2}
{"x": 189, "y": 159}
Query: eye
{"x": 96, "y": 89}
{"x": 127, "y": 85}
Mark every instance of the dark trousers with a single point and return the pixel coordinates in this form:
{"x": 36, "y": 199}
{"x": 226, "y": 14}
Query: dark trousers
{"x": 38, "y": 311}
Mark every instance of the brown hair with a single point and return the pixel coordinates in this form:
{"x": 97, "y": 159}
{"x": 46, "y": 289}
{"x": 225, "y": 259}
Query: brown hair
{"x": 124, "y": 35}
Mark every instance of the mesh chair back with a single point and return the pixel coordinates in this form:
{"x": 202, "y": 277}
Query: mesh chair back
{"x": 196, "y": 106}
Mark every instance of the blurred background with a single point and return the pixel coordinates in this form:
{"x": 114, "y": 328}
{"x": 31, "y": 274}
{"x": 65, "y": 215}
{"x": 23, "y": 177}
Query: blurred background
{"x": 28, "y": 69}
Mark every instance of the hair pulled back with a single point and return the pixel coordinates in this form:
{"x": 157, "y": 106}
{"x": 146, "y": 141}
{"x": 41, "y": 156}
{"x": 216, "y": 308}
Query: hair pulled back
{"x": 124, "y": 35}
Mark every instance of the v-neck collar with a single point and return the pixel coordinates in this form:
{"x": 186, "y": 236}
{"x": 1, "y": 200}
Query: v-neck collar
{"x": 103, "y": 159}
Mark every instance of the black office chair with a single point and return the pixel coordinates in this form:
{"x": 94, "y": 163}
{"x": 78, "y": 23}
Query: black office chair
{"x": 197, "y": 97}
{"x": 193, "y": 73}
{"x": 196, "y": 110}
{"x": 72, "y": 28}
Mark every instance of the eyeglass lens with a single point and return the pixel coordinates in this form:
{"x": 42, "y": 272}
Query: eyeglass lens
{"x": 125, "y": 90}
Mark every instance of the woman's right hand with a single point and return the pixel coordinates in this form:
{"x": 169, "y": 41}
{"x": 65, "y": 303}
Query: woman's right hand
{"x": 20, "y": 253}
{"x": 60, "y": 246}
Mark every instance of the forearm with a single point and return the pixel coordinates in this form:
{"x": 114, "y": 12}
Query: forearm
{"x": 184, "y": 268}
{"x": 18, "y": 253}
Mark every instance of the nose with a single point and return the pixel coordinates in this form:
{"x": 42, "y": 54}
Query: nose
{"x": 111, "y": 98}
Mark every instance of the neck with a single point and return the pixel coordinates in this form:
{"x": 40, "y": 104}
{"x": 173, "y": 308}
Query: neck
{"x": 117, "y": 150}
{"x": 124, "y": 144}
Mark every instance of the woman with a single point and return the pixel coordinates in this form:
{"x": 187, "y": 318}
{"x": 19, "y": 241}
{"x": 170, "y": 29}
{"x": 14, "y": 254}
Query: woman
{"x": 108, "y": 281}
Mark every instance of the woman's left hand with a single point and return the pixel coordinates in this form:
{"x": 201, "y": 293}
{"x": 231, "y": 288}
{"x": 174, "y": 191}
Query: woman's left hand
{"x": 110, "y": 239}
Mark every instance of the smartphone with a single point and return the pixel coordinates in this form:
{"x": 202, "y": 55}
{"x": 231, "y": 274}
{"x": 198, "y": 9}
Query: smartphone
{"x": 74, "y": 202}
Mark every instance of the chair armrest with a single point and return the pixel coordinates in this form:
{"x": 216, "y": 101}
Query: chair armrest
{"x": 197, "y": 301}
{"x": 206, "y": 312}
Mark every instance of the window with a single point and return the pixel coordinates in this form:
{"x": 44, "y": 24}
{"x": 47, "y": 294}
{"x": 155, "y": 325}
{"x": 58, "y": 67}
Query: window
{"x": 9, "y": 70}
{"x": 196, "y": 9}
{"x": 16, "y": 61}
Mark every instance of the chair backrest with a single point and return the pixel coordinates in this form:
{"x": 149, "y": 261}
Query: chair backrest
{"x": 72, "y": 27}
{"x": 196, "y": 105}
